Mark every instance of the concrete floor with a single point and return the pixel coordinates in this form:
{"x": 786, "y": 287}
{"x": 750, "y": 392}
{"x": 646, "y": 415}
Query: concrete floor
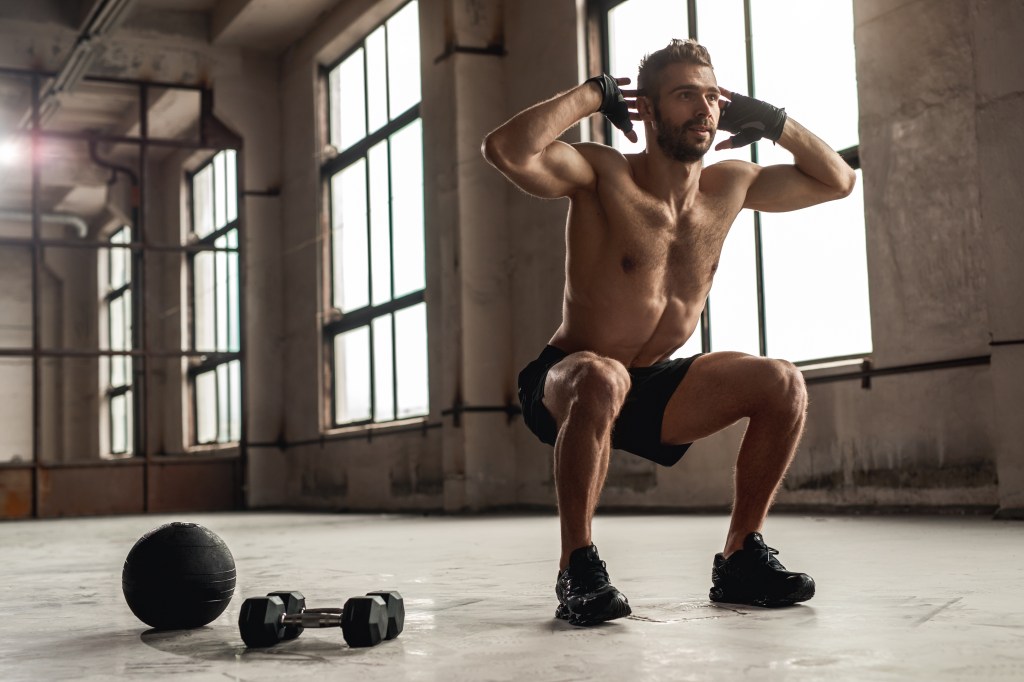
{"x": 899, "y": 598}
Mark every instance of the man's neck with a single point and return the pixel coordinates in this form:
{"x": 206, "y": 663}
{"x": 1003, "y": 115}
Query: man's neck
{"x": 675, "y": 182}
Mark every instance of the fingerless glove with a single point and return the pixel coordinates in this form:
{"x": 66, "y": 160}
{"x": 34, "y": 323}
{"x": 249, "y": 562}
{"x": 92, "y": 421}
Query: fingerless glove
{"x": 751, "y": 119}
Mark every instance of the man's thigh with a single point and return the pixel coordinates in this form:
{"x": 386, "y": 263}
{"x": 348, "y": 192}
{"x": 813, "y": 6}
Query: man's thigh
{"x": 718, "y": 390}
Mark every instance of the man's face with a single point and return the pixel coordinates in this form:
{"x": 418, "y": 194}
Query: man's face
{"x": 686, "y": 111}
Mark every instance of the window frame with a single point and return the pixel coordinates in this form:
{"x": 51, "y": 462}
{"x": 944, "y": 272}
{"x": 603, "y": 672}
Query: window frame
{"x": 598, "y": 11}
{"x": 202, "y": 362}
{"x": 127, "y": 387}
{"x": 337, "y": 323}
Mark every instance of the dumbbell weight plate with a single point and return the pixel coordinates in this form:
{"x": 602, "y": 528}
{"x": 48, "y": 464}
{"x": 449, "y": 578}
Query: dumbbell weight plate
{"x": 396, "y": 611}
{"x": 294, "y": 603}
{"x": 364, "y": 621}
{"x": 259, "y": 621}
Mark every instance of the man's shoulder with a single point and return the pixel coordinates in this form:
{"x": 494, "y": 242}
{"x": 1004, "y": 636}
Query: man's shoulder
{"x": 731, "y": 166}
{"x": 594, "y": 151}
{"x": 609, "y": 163}
{"x": 729, "y": 173}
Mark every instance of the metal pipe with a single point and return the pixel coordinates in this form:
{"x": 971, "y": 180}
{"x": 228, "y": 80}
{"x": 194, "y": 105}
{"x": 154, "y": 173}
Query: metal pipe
{"x": 15, "y": 71}
{"x": 867, "y": 372}
{"x": 17, "y": 242}
{"x": 103, "y": 163}
{"x": 52, "y": 218}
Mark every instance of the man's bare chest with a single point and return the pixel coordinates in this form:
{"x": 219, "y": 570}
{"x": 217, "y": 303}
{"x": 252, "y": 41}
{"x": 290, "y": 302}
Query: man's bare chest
{"x": 653, "y": 240}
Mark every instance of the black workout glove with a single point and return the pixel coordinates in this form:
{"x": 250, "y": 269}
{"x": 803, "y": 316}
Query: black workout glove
{"x": 751, "y": 119}
{"x": 613, "y": 104}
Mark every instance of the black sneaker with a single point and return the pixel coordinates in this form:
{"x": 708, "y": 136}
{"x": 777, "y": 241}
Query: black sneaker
{"x": 754, "y": 576}
{"x": 585, "y": 597}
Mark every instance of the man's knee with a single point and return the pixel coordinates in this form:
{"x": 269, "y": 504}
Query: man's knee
{"x": 590, "y": 383}
{"x": 788, "y": 388}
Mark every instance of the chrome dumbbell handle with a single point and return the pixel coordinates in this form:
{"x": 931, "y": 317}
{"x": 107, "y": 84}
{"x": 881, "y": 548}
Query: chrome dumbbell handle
{"x": 314, "y": 618}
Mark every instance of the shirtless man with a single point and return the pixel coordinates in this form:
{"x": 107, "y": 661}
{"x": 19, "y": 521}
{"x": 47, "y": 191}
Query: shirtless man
{"x": 644, "y": 235}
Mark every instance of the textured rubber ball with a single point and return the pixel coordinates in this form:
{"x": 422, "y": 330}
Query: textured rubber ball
{"x": 178, "y": 576}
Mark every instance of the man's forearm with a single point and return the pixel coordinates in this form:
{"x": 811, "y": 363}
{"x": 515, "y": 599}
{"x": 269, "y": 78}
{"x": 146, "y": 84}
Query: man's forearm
{"x": 529, "y": 132}
{"x": 815, "y": 158}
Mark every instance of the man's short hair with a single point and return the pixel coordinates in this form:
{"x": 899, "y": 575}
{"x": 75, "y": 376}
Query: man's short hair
{"x": 687, "y": 51}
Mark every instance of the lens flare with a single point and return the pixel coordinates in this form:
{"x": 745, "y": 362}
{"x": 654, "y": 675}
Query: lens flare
{"x": 10, "y": 152}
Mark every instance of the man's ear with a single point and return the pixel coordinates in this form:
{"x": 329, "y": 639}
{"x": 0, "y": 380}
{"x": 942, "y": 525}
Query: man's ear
{"x": 645, "y": 107}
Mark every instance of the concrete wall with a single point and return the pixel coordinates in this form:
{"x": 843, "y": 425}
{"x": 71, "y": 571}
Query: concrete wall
{"x": 940, "y": 87}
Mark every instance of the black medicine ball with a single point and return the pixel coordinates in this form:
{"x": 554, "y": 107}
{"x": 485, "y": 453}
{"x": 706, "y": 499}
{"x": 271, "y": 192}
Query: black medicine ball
{"x": 178, "y": 576}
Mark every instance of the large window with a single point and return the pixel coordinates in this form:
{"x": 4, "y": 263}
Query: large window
{"x": 215, "y": 377}
{"x": 117, "y": 302}
{"x": 791, "y": 285}
{"x": 376, "y": 334}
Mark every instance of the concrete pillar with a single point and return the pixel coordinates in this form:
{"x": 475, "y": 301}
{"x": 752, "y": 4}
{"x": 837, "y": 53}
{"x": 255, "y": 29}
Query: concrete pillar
{"x": 1000, "y": 108}
{"x": 464, "y": 79}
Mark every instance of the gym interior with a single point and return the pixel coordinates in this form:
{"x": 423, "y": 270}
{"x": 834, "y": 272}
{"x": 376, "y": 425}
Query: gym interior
{"x": 193, "y": 337}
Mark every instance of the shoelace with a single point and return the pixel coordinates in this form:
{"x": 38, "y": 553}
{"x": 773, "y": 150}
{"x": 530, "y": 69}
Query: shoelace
{"x": 769, "y": 558}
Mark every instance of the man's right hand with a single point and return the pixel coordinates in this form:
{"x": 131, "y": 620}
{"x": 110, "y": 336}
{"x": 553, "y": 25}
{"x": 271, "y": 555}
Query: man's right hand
{"x": 614, "y": 105}
{"x": 750, "y": 119}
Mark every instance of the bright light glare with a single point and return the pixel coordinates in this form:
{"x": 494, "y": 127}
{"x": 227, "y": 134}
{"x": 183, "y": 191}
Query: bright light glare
{"x": 10, "y": 152}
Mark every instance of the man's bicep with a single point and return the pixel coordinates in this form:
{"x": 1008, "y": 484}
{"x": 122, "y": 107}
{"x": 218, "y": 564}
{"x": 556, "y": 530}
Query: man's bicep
{"x": 785, "y": 188}
{"x": 558, "y": 171}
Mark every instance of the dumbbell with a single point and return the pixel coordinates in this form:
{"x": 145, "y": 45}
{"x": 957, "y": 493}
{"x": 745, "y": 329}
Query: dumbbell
{"x": 364, "y": 621}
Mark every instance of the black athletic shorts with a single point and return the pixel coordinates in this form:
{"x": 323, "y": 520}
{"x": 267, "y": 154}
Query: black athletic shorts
{"x": 638, "y": 426}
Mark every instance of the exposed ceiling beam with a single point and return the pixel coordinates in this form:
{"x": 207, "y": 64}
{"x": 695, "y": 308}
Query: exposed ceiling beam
{"x": 266, "y": 25}
{"x": 104, "y": 16}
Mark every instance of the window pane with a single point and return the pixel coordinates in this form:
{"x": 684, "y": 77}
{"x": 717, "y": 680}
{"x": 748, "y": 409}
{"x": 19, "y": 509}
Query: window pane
{"x": 720, "y": 29}
{"x": 206, "y": 407}
{"x": 129, "y": 428}
{"x": 126, "y": 360}
{"x": 334, "y": 107}
{"x": 349, "y": 239}
{"x": 118, "y": 424}
{"x": 377, "y": 80}
{"x": 220, "y": 205}
{"x": 348, "y": 102}
{"x": 407, "y": 208}
{"x": 411, "y": 360}
{"x": 816, "y": 280}
{"x": 632, "y": 34}
{"x": 352, "y": 376}
{"x": 232, "y": 312}
{"x": 235, "y": 430}
{"x": 202, "y": 202}
{"x": 221, "y": 292}
{"x": 788, "y": 57}
{"x": 203, "y": 300}
{"x": 120, "y": 370}
{"x": 117, "y": 341}
{"x": 120, "y": 339}
{"x": 116, "y": 268}
{"x": 223, "y": 403}
{"x": 404, "y": 59}
{"x": 733, "y": 299}
{"x": 383, "y": 370}
{"x": 231, "y": 183}
{"x": 380, "y": 223}
{"x": 119, "y": 272}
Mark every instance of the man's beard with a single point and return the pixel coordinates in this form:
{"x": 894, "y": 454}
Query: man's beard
{"x": 673, "y": 139}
